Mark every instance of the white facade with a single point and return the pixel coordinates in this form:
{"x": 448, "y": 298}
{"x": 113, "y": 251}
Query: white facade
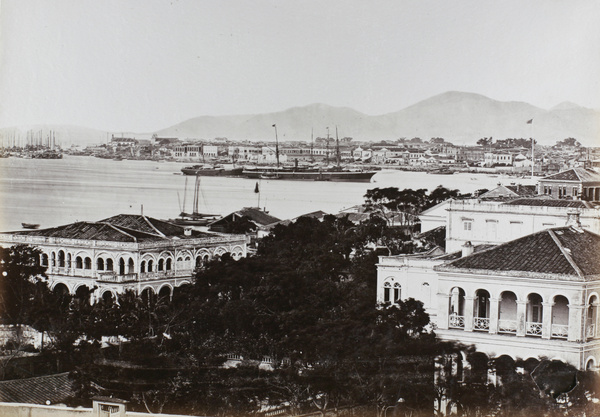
{"x": 492, "y": 222}
{"x": 522, "y": 314}
{"x": 112, "y": 267}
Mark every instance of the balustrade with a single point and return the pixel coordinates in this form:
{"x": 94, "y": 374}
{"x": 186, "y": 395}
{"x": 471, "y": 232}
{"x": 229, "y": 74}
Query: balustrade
{"x": 112, "y": 277}
{"x": 507, "y": 326}
{"x": 481, "y": 323}
{"x": 533, "y": 329}
{"x": 560, "y": 330}
{"x": 456, "y": 321}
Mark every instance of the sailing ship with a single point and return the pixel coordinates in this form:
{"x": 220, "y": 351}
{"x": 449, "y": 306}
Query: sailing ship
{"x": 313, "y": 173}
{"x": 194, "y": 218}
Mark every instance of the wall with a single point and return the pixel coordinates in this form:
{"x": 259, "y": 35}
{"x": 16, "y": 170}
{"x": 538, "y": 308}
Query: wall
{"x": 34, "y": 410}
{"x": 494, "y": 223}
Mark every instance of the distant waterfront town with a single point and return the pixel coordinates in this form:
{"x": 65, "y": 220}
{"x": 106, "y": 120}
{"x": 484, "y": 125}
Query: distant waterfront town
{"x": 509, "y": 277}
{"x": 503, "y": 155}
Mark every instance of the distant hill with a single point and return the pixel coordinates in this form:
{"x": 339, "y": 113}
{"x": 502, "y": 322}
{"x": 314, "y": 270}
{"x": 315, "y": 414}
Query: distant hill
{"x": 455, "y": 116}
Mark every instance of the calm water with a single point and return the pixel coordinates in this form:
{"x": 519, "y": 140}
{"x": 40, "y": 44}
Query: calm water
{"x": 55, "y": 192}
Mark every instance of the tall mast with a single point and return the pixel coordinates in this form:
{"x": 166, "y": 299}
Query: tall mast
{"x": 196, "y": 194}
{"x": 312, "y": 158}
{"x": 327, "y": 147}
{"x": 276, "y": 146}
{"x": 337, "y": 147}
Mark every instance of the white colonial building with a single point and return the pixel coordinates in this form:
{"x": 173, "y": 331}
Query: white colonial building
{"x": 494, "y": 222}
{"x": 533, "y": 297}
{"x": 124, "y": 252}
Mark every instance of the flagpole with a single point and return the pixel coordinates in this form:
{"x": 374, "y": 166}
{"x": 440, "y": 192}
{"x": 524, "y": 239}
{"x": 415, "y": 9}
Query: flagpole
{"x": 530, "y": 122}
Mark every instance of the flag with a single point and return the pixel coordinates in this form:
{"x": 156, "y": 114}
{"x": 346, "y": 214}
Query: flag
{"x": 530, "y": 121}
{"x": 256, "y": 190}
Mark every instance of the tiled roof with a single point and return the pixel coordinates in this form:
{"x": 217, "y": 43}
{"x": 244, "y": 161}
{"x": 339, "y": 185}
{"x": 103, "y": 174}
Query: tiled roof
{"x": 549, "y": 202}
{"x": 54, "y": 388}
{"x": 120, "y": 228}
{"x": 575, "y": 174}
{"x": 559, "y": 251}
{"x": 523, "y": 190}
{"x": 258, "y": 216}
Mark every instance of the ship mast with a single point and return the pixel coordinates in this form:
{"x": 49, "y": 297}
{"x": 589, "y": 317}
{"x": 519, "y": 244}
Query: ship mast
{"x": 327, "y": 147}
{"x": 276, "y": 146}
{"x": 337, "y": 147}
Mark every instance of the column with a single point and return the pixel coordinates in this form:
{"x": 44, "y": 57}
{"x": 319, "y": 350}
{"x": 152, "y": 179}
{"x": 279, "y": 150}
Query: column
{"x": 494, "y": 315}
{"x": 442, "y": 310}
{"x": 547, "y": 320}
{"x": 469, "y": 304}
{"x": 576, "y": 324}
{"x": 521, "y": 317}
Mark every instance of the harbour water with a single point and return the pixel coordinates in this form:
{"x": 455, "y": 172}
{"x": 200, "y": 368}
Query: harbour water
{"x": 76, "y": 188}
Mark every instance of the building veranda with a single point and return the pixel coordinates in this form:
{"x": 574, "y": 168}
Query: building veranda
{"x": 533, "y": 297}
{"x": 124, "y": 252}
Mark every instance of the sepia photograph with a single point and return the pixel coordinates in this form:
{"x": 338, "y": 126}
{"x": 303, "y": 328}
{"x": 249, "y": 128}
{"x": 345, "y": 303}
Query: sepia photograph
{"x": 279, "y": 208}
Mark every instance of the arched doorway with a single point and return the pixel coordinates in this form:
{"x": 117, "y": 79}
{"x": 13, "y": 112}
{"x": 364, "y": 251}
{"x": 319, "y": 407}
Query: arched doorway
{"x": 560, "y": 317}
{"x": 534, "y": 315}
{"x": 481, "y": 320}
{"x": 507, "y": 313}
{"x": 456, "y": 308}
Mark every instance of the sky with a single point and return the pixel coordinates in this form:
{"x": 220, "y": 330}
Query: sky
{"x": 144, "y": 65}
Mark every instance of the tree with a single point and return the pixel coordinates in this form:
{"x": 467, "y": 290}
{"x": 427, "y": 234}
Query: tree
{"x": 485, "y": 142}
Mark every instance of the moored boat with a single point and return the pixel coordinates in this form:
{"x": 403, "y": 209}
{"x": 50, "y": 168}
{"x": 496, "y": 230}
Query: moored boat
{"x": 309, "y": 174}
{"x": 30, "y": 225}
{"x": 212, "y": 171}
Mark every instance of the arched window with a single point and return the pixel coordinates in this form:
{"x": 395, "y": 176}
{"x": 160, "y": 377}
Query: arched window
{"x": 69, "y": 260}
{"x": 560, "y": 317}
{"x": 100, "y": 264}
{"x": 109, "y": 264}
{"x": 161, "y": 264}
{"x": 169, "y": 262}
{"x": 591, "y": 319}
{"x": 130, "y": 266}
{"x": 387, "y": 292}
{"x": 44, "y": 259}
{"x": 121, "y": 266}
{"x": 53, "y": 259}
{"x": 78, "y": 263}
{"x": 150, "y": 265}
{"x": 88, "y": 263}
{"x": 397, "y": 292}
{"x": 143, "y": 267}
{"x": 61, "y": 259}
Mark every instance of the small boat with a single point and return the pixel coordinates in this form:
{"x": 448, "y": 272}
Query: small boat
{"x": 30, "y": 225}
{"x": 212, "y": 171}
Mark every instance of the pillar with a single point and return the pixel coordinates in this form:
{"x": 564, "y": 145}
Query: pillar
{"x": 442, "y": 310}
{"x": 576, "y": 322}
{"x": 469, "y": 308}
{"x": 494, "y": 315}
{"x": 521, "y": 317}
{"x": 547, "y": 320}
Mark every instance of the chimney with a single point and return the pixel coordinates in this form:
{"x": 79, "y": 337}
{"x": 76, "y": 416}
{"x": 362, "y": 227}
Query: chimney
{"x": 187, "y": 231}
{"x": 573, "y": 218}
{"x": 467, "y": 248}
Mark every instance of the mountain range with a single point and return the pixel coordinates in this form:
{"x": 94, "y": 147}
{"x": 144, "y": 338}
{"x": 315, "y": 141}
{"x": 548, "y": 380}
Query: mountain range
{"x": 457, "y": 117}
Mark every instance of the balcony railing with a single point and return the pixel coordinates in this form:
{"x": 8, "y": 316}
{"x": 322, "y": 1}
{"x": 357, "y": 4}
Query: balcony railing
{"x": 147, "y": 276}
{"x": 456, "y": 322}
{"x": 112, "y": 277}
{"x": 560, "y": 330}
{"x": 533, "y": 329}
{"x": 590, "y": 331}
{"x": 481, "y": 323}
{"x": 507, "y": 326}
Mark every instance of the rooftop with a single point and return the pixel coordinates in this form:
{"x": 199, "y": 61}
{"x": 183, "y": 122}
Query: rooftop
{"x": 565, "y": 251}
{"x": 37, "y": 390}
{"x": 575, "y": 174}
{"x": 549, "y": 202}
{"x": 120, "y": 228}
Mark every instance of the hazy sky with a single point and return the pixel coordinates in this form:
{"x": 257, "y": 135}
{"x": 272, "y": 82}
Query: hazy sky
{"x": 142, "y": 65}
